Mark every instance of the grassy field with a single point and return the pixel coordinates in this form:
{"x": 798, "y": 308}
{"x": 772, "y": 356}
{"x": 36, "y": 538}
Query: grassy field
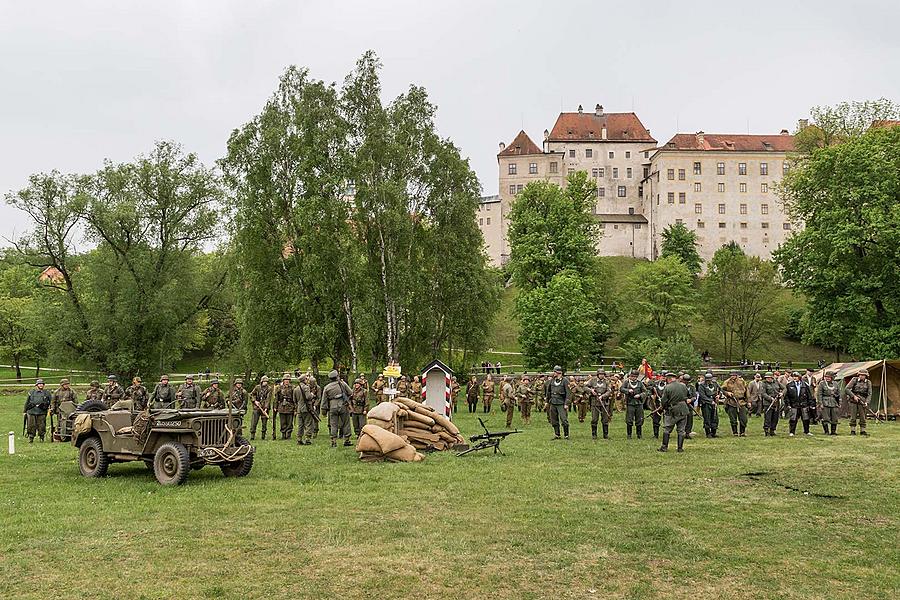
{"x": 729, "y": 518}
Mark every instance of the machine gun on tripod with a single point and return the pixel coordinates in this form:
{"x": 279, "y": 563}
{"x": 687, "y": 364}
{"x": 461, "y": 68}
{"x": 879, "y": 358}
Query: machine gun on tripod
{"x": 488, "y": 439}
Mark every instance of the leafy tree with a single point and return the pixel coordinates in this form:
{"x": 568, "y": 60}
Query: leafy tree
{"x": 557, "y": 321}
{"x": 836, "y": 124}
{"x": 661, "y": 292}
{"x": 681, "y": 242}
{"x": 637, "y": 349}
{"x": 677, "y": 352}
{"x": 21, "y": 331}
{"x": 846, "y": 258}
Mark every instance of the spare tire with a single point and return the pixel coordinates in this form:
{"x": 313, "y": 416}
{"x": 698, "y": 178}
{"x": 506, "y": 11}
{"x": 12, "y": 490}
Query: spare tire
{"x": 238, "y": 468}
{"x": 171, "y": 463}
{"x": 92, "y": 406}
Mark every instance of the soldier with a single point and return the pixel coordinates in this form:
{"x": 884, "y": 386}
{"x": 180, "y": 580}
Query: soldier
{"x": 507, "y": 399}
{"x": 692, "y": 403}
{"x": 137, "y": 393}
{"x": 735, "y": 392}
{"x": 770, "y": 394}
{"x": 335, "y": 400}
{"x": 674, "y": 404}
{"x": 472, "y": 393}
{"x": 524, "y": 398}
{"x": 188, "y": 394}
{"x": 237, "y": 395}
{"x": 359, "y": 406}
{"x": 378, "y": 388}
{"x": 615, "y": 384}
{"x": 753, "y": 393}
{"x": 454, "y": 393}
{"x": 600, "y": 393}
{"x": 557, "y": 397}
{"x": 64, "y": 393}
{"x": 402, "y": 386}
{"x": 632, "y": 391}
{"x": 37, "y": 403}
{"x": 579, "y": 397}
{"x": 487, "y": 392}
{"x": 94, "y": 392}
{"x": 306, "y": 411}
{"x": 284, "y": 403}
{"x": 810, "y": 380}
{"x": 798, "y": 397}
{"x": 113, "y": 392}
{"x": 828, "y": 401}
{"x": 163, "y": 395}
{"x": 537, "y": 390}
{"x": 261, "y": 397}
{"x": 213, "y": 397}
{"x": 416, "y": 389}
{"x": 859, "y": 391}
{"x": 708, "y": 395}
{"x": 656, "y": 390}
{"x": 313, "y": 384}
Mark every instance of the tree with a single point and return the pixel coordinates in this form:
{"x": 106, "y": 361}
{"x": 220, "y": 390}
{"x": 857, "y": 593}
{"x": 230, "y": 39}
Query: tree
{"x": 742, "y": 299}
{"x": 846, "y": 258}
{"x": 660, "y": 292}
{"x": 557, "y": 321}
{"x": 837, "y": 124}
{"x": 21, "y": 332}
{"x": 681, "y": 242}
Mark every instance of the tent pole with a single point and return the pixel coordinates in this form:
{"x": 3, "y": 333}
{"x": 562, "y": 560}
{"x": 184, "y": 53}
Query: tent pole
{"x": 883, "y": 397}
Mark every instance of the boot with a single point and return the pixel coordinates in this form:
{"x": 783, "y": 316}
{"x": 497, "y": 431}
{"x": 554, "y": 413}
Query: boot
{"x": 628, "y": 429}
{"x": 734, "y": 429}
{"x": 852, "y": 431}
{"x": 347, "y": 442}
{"x": 665, "y": 443}
{"x": 712, "y": 433}
{"x": 639, "y": 427}
{"x": 656, "y": 430}
{"x": 566, "y": 431}
{"x": 556, "y": 432}
{"x": 743, "y": 432}
{"x": 863, "y": 432}
{"x": 825, "y": 427}
{"x": 333, "y": 443}
{"x": 253, "y": 436}
{"x": 706, "y": 432}
{"x": 680, "y": 443}
{"x": 834, "y": 429}
{"x": 593, "y": 431}
{"x": 30, "y": 439}
{"x": 606, "y": 431}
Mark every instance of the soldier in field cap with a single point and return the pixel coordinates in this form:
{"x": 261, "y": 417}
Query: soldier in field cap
{"x": 828, "y": 402}
{"x": 859, "y": 391}
{"x": 37, "y": 403}
{"x": 557, "y": 394}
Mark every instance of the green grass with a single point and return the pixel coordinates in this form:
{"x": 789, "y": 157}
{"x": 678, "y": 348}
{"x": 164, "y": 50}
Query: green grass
{"x": 576, "y": 519}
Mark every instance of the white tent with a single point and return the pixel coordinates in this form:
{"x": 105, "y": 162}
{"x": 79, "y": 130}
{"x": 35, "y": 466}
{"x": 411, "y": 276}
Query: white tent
{"x": 885, "y": 377}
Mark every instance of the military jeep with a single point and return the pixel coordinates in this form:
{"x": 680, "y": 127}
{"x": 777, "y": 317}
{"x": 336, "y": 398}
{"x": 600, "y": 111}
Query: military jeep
{"x": 170, "y": 442}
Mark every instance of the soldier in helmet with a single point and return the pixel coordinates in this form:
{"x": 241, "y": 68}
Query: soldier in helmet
{"x": 799, "y": 399}
{"x": 359, "y": 406}
{"x": 403, "y": 387}
{"x": 94, "y": 392}
{"x": 37, "y": 403}
{"x": 736, "y": 403}
{"x": 113, "y": 392}
{"x": 454, "y": 393}
{"x": 261, "y": 397}
{"x": 306, "y": 411}
{"x": 558, "y": 396}
{"x": 524, "y": 398}
{"x": 600, "y": 393}
{"x": 213, "y": 397}
{"x": 692, "y": 402}
{"x": 64, "y": 393}
{"x": 237, "y": 395}
{"x": 828, "y": 400}
{"x": 656, "y": 416}
{"x": 859, "y": 392}
{"x": 188, "y": 393}
{"x": 314, "y": 390}
{"x": 674, "y": 404}
{"x": 632, "y": 391}
{"x": 770, "y": 395}
{"x": 708, "y": 395}
{"x": 163, "y": 395}
{"x": 472, "y": 394}
{"x": 137, "y": 393}
{"x": 335, "y": 400}
{"x": 487, "y": 392}
{"x": 285, "y": 405}
{"x": 507, "y": 399}
{"x": 378, "y": 388}
{"x": 415, "y": 389}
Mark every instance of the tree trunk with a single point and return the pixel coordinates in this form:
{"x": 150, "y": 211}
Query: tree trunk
{"x": 351, "y": 333}
{"x": 314, "y": 366}
{"x": 388, "y": 302}
{"x": 37, "y": 367}
{"x": 17, "y": 359}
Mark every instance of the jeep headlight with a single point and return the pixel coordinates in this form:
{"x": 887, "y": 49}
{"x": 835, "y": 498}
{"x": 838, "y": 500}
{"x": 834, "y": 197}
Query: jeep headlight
{"x": 236, "y": 424}
{"x": 196, "y": 425}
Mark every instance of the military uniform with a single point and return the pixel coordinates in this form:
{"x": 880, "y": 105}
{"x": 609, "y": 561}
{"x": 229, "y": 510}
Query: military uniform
{"x": 335, "y": 402}
{"x": 261, "y": 397}
{"x": 188, "y": 395}
{"x": 799, "y": 399}
{"x": 828, "y": 399}
{"x": 708, "y": 394}
{"x": 94, "y": 392}
{"x": 507, "y": 400}
{"x": 307, "y": 415}
{"x": 237, "y": 395}
{"x": 213, "y": 397}
{"x": 632, "y": 392}
{"x": 770, "y": 395}
{"x": 454, "y": 393}
{"x": 674, "y": 403}
{"x": 63, "y": 393}
{"x": 359, "y": 406}
{"x": 138, "y": 395}
{"x": 163, "y": 395}
{"x": 615, "y": 385}
{"x": 557, "y": 396}
{"x": 487, "y": 393}
{"x": 403, "y": 387}
{"x": 286, "y": 407}
{"x": 859, "y": 392}
{"x": 415, "y": 389}
{"x": 600, "y": 393}
{"x": 537, "y": 389}
{"x": 472, "y": 394}
{"x": 579, "y": 399}
{"x": 314, "y": 390}
{"x": 524, "y": 399}
{"x": 753, "y": 394}
{"x": 692, "y": 402}
{"x": 113, "y": 392}
{"x": 656, "y": 414}
{"x": 378, "y": 389}
{"x": 736, "y": 401}
{"x": 37, "y": 403}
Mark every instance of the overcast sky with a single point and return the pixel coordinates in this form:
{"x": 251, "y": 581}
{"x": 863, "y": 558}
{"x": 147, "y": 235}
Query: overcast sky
{"x": 85, "y": 81}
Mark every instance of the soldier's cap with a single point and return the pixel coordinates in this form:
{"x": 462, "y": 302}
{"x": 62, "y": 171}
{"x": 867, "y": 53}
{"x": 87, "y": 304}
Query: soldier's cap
{"x": 332, "y": 374}
{"x": 188, "y": 377}
{"x": 557, "y": 369}
{"x": 39, "y": 382}
{"x": 111, "y": 378}
{"x": 601, "y": 372}
{"x": 63, "y": 381}
{"x": 163, "y": 377}
{"x": 810, "y": 370}
{"x": 214, "y": 382}
{"x": 632, "y": 372}
{"x": 137, "y": 380}
{"x": 670, "y": 374}
{"x": 239, "y": 380}
{"x": 708, "y": 375}
{"x": 863, "y": 372}
{"x": 686, "y": 377}
{"x": 526, "y": 378}
{"x": 264, "y": 379}
{"x": 735, "y": 372}
{"x": 95, "y": 383}
{"x": 795, "y": 374}
{"x": 768, "y": 374}
{"x": 830, "y": 373}
{"x": 286, "y": 377}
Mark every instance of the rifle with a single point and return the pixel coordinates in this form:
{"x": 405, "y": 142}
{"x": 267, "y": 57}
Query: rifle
{"x": 869, "y": 411}
{"x": 24, "y": 423}
{"x": 488, "y": 439}
{"x": 52, "y": 430}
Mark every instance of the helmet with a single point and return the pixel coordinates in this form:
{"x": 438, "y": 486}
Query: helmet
{"x": 239, "y": 381}
{"x": 601, "y": 373}
{"x": 137, "y": 380}
{"x": 830, "y": 373}
{"x": 286, "y": 377}
{"x": 39, "y": 382}
{"x": 670, "y": 374}
{"x": 214, "y": 382}
{"x": 686, "y": 377}
{"x": 795, "y": 374}
{"x": 863, "y": 372}
{"x": 63, "y": 382}
{"x": 264, "y": 379}
{"x": 112, "y": 378}
{"x": 189, "y": 377}
{"x": 332, "y": 374}
{"x": 163, "y": 377}
{"x": 632, "y": 372}
{"x": 708, "y": 375}
{"x": 557, "y": 369}
{"x": 95, "y": 383}
{"x": 768, "y": 374}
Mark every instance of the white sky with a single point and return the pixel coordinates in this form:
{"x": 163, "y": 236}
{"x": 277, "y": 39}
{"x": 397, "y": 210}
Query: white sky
{"x": 84, "y": 81}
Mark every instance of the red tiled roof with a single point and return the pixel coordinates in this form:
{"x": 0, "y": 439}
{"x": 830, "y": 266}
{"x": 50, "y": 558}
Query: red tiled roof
{"x": 886, "y": 123}
{"x": 731, "y": 142}
{"x": 582, "y": 127}
{"x": 520, "y": 146}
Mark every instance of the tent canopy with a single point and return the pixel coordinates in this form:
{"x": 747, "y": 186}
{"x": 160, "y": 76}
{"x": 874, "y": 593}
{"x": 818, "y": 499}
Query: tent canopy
{"x": 885, "y": 377}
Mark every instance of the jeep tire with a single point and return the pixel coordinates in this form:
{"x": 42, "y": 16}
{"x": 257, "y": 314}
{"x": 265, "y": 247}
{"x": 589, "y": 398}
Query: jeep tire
{"x": 92, "y": 460}
{"x": 238, "y": 468}
{"x": 92, "y": 406}
{"x": 171, "y": 464}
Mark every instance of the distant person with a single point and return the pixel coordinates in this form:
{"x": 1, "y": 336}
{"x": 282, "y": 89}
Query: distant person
{"x": 472, "y": 394}
{"x": 207, "y": 373}
{"x": 163, "y": 395}
{"x": 37, "y": 403}
{"x": 859, "y": 390}
{"x": 828, "y": 401}
{"x": 674, "y": 404}
{"x": 799, "y": 399}
{"x": 557, "y": 395}
{"x": 487, "y": 392}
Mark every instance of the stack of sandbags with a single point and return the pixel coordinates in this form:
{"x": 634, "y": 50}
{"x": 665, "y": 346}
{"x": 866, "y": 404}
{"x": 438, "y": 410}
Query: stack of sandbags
{"x": 425, "y": 428}
{"x": 377, "y": 444}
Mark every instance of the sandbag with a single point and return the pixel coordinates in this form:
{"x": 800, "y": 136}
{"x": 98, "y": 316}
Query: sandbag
{"x": 416, "y": 425}
{"x": 366, "y": 443}
{"x": 387, "y": 441}
{"x": 405, "y": 454}
{"x": 383, "y": 411}
{"x": 447, "y": 437}
{"x": 411, "y": 404}
{"x": 414, "y": 416}
{"x": 445, "y": 423}
{"x": 424, "y": 409}
{"x": 389, "y": 425}
{"x": 418, "y": 434}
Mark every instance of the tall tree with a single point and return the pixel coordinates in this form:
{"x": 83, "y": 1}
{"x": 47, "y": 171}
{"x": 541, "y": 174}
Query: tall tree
{"x": 681, "y": 242}
{"x": 21, "y": 330}
{"x": 846, "y": 258}
{"x": 836, "y": 124}
{"x": 661, "y": 292}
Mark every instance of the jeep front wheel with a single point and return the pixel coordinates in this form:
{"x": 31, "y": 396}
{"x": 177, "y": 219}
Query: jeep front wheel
{"x": 171, "y": 464}
{"x": 92, "y": 460}
{"x": 239, "y": 468}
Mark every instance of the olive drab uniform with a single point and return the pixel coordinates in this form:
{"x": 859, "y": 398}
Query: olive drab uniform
{"x": 62, "y": 394}
{"x": 487, "y": 393}
{"x": 163, "y": 396}
{"x": 579, "y": 398}
{"x": 313, "y": 385}
{"x": 674, "y": 403}
{"x": 213, "y": 397}
{"x": 537, "y": 389}
{"x": 692, "y": 402}
{"x": 238, "y": 397}
{"x": 415, "y": 389}
{"x": 261, "y": 398}
{"x": 524, "y": 398}
{"x": 615, "y": 384}
{"x": 770, "y": 395}
{"x": 736, "y": 401}
{"x": 508, "y": 400}
{"x": 472, "y": 394}
{"x": 285, "y": 406}
{"x": 378, "y": 389}
{"x": 454, "y": 393}
{"x": 708, "y": 395}
{"x": 402, "y": 387}
{"x": 307, "y": 414}
{"x": 557, "y": 396}
{"x": 37, "y": 403}
{"x": 112, "y": 393}
{"x": 859, "y": 392}
{"x": 828, "y": 399}
{"x": 188, "y": 395}
{"x": 94, "y": 392}
{"x": 359, "y": 406}
{"x": 335, "y": 400}
{"x": 632, "y": 392}
{"x": 138, "y": 395}
{"x": 601, "y": 407}
{"x": 656, "y": 415}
